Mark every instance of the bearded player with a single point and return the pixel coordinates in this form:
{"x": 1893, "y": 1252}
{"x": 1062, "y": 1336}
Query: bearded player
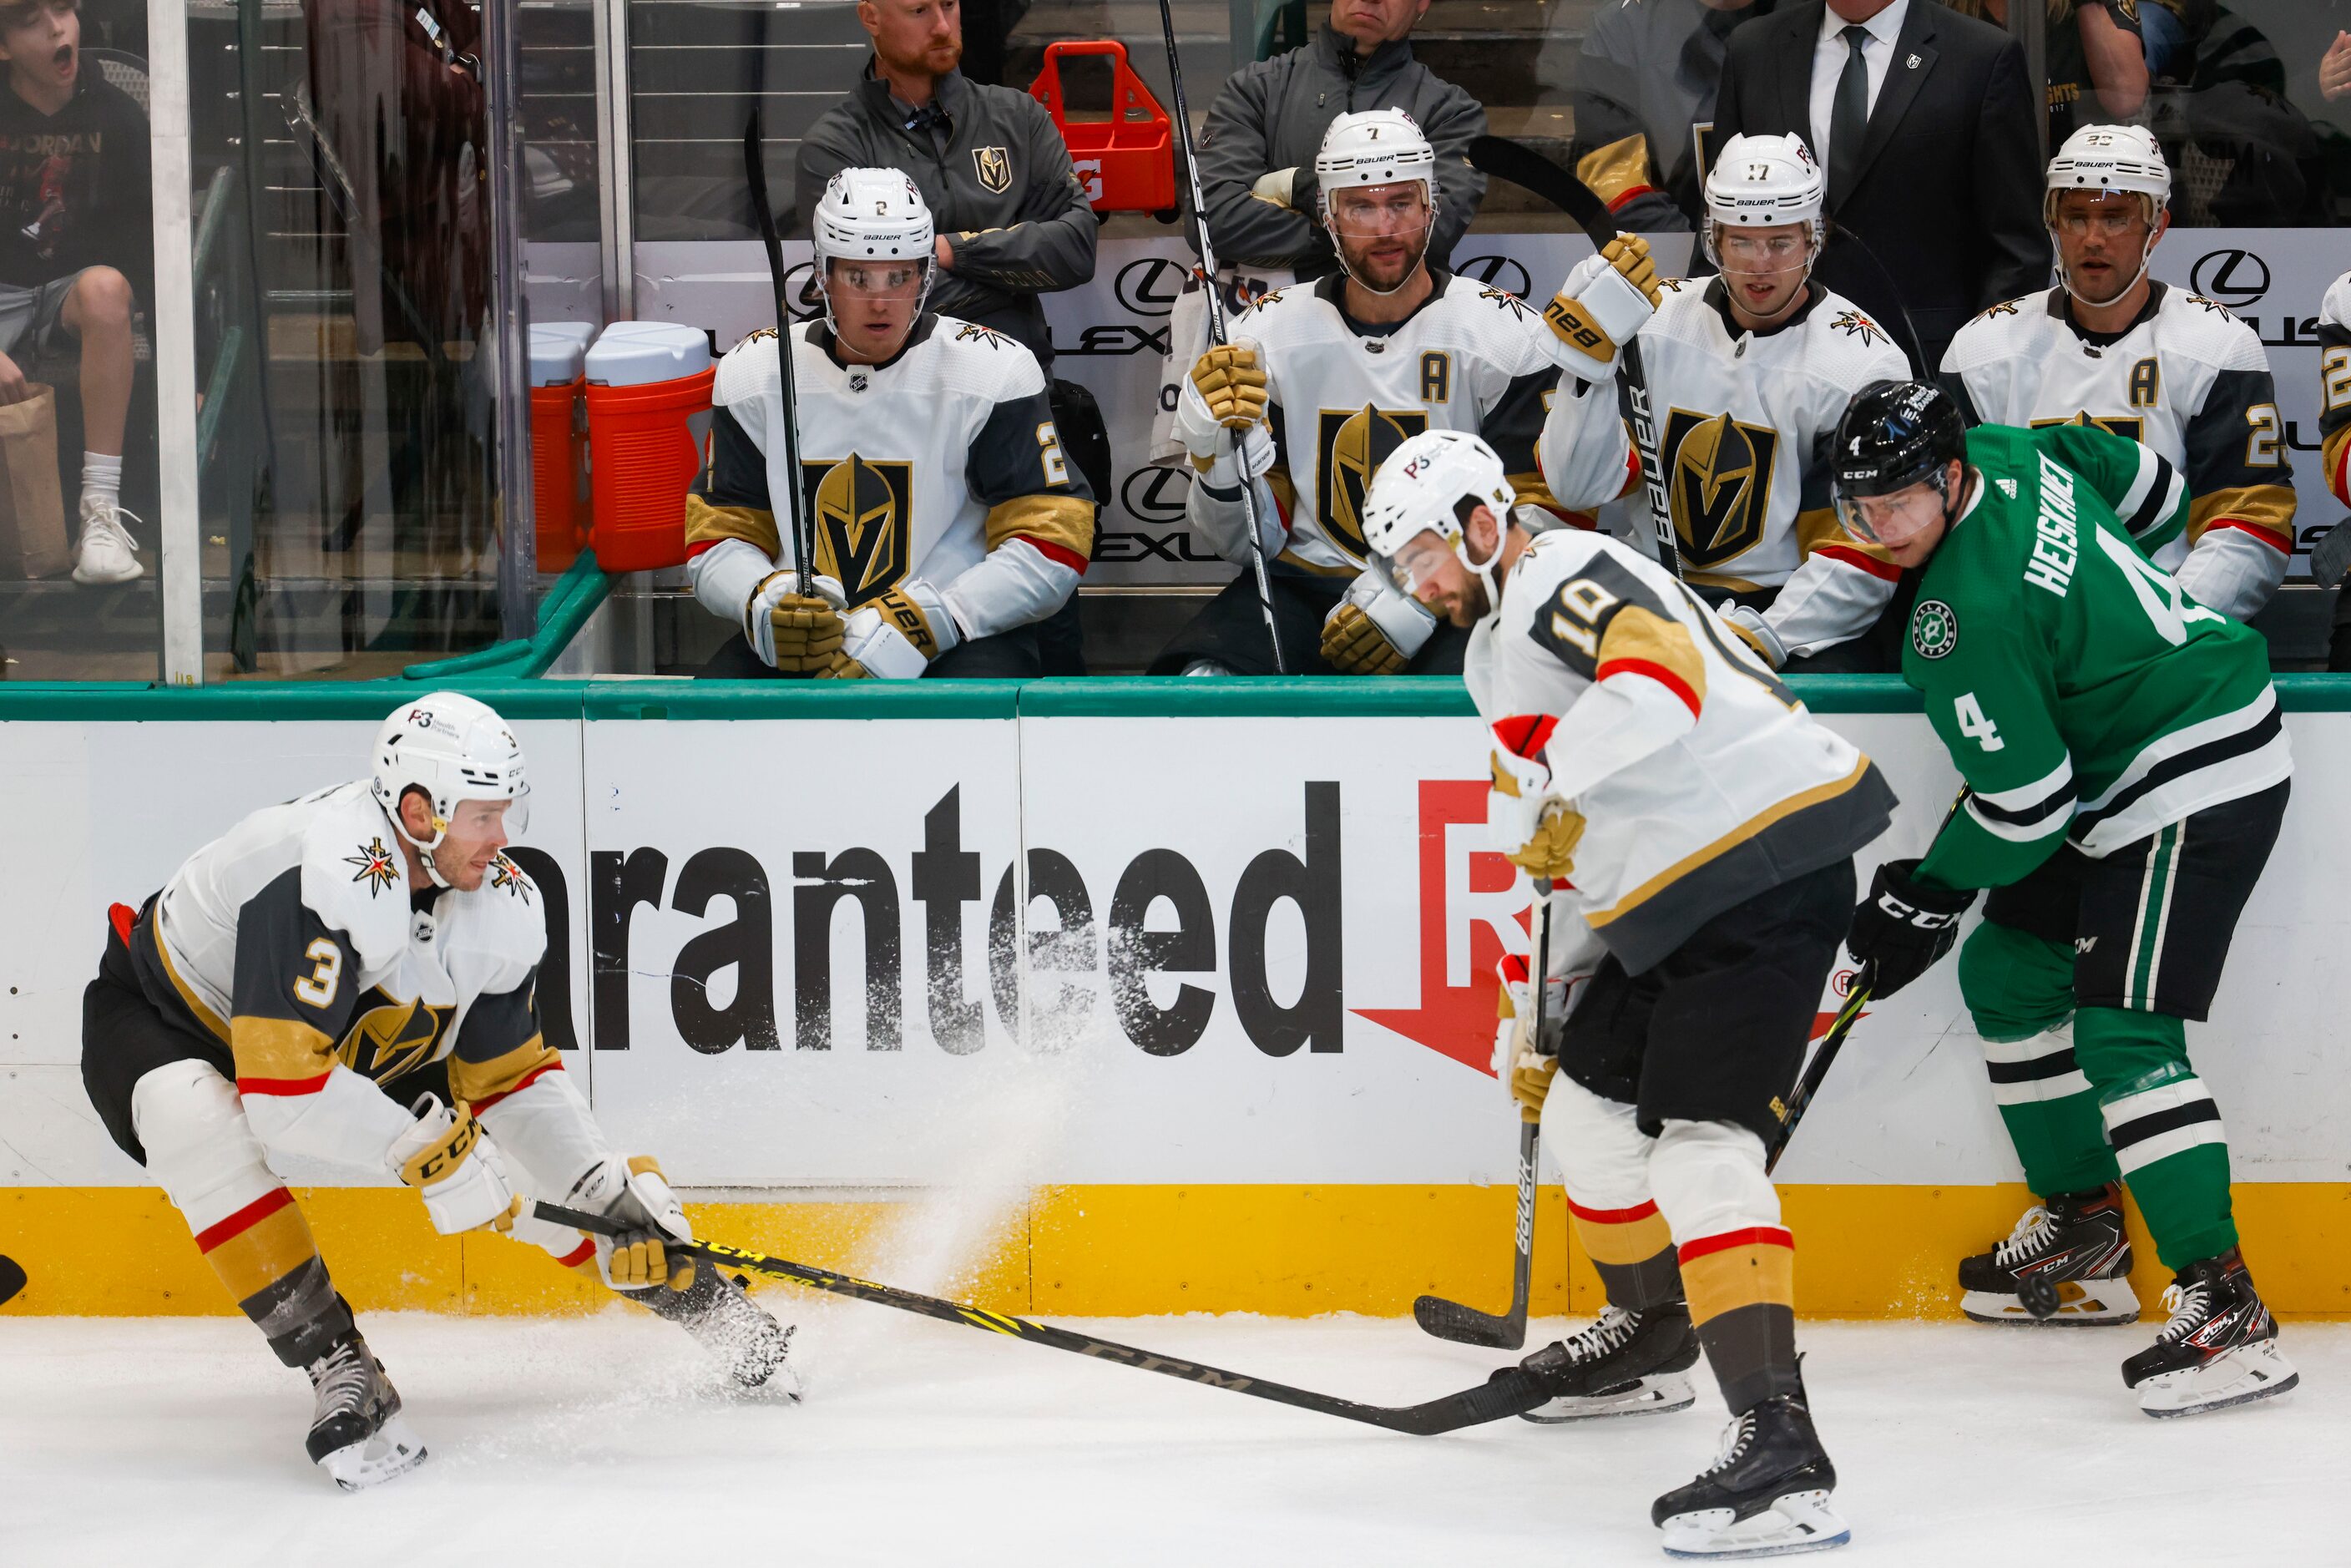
{"x": 351, "y": 976}
{"x": 1321, "y": 382}
{"x": 1699, "y": 828}
{"x": 2112, "y": 348}
{"x": 1750, "y": 370}
{"x": 2127, "y": 771}
{"x": 948, "y": 521}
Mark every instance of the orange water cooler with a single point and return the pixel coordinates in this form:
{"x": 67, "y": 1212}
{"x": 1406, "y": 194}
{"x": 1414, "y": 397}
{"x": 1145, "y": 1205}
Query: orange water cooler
{"x": 559, "y": 439}
{"x": 648, "y": 411}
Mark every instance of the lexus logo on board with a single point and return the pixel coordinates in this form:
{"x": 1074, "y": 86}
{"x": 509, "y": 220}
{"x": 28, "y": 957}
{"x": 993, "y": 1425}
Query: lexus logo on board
{"x": 1497, "y": 272}
{"x": 1149, "y": 286}
{"x": 1156, "y": 495}
{"x": 800, "y": 292}
{"x": 2232, "y": 277}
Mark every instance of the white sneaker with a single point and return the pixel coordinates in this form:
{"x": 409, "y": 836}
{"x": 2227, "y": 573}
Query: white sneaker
{"x": 107, "y": 553}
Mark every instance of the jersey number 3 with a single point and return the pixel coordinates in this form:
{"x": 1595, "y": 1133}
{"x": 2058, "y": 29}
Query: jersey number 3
{"x": 318, "y": 987}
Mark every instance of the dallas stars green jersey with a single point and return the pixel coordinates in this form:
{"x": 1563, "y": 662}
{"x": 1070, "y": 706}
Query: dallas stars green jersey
{"x": 2080, "y": 693}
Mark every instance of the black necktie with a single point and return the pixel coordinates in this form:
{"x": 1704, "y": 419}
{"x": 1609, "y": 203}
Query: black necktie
{"x": 1849, "y": 120}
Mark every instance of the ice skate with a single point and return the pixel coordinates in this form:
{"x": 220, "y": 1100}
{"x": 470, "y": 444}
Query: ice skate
{"x": 357, "y": 1435}
{"x": 1627, "y": 1364}
{"x": 2220, "y": 1347}
{"x": 2066, "y": 1262}
{"x": 725, "y": 1321}
{"x": 1767, "y": 1495}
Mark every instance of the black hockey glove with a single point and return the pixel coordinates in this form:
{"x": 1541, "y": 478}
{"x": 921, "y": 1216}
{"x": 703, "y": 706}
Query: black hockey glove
{"x": 1903, "y": 927}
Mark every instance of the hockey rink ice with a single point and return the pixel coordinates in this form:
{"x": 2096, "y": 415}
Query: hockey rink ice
{"x": 607, "y": 1438}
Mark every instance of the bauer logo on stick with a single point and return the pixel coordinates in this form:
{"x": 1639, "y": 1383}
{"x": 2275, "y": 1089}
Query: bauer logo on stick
{"x": 1933, "y": 629}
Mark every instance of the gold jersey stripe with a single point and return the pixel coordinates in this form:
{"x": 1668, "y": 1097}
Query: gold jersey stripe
{"x": 1755, "y": 1275}
{"x": 211, "y": 1019}
{"x": 1649, "y": 638}
{"x": 2268, "y": 507}
{"x": 1819, "y": 526}
{"x": 1615, "y": 169}
{"x": 285, "y": 1049}
{"x": 1636, "y": 1242}
{"x": 706, "y": 525}
{"x": 1722, "y": 580}
{"x": 263, "y": 1252}
{"x": 2330, "y": 455}
{"x": 474, "y": 1082}
{"x": 1801, "y": 800}
{"x": 1060, "y": 519}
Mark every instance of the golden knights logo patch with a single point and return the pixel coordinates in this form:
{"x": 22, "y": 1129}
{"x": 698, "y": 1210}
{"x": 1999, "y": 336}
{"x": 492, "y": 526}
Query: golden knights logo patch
{"x": 993, "y": 165}
{"x": 1720, "y": 476}
{"x": 390, "y": 1036}
{"x": 865, "y": 517}
{"x": 1350, "y": 444}
{"x": 377, "y": 867}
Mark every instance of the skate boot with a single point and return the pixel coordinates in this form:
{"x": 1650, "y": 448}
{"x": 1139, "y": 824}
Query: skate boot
{"x": 357, "y": 1435}
{"x": 725, "y": 1321}
{"x": 1767, "y": 1495}
{"x": 2068, "y": 1262}
{"x": 2220, "y": 1347}
{"x": 1627, "y": 1364}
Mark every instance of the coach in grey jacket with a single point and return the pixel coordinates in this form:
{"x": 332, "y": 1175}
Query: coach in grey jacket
{"x": 1013, "y": 220}
{"x": 1256, "y": 152}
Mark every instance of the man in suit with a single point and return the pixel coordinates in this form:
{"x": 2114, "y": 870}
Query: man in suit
{"x": 1929, "y": 133}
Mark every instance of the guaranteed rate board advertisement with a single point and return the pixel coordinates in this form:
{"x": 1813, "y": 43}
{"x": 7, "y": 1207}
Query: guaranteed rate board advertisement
{"x": 1115, "y": 946}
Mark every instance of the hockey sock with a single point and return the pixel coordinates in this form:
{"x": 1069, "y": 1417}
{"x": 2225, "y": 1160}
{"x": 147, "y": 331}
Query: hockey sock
{"x": 263, "y": 1253}
{"x": 2020, "y": 991}
{"x": 2165, "y": 1130}
{"x": 1742, "y": 1299}
{"x": 101, "y": 476}
{"x": 1633, "y": 1251}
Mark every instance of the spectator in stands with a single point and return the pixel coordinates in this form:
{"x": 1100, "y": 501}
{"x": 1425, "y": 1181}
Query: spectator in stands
{"x": 74, "y": 226}
{"x": 1925, "y": 122}
{"x": 1266, "y": 124}
{"x": 2096, "y": 52}
{"x": 1644, "y": 101}
{"x": 1013, "y": 216}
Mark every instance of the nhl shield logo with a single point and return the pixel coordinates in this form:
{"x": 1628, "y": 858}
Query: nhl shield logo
{"x": 1933, "y": 629}
{"x": 994, "y": 167}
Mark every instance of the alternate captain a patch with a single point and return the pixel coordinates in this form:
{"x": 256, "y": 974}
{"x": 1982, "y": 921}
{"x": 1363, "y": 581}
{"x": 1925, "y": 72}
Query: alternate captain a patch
{"x": 1933, "y": 629}
{"x": 377, "y": 867}
{"x": 994, "y": 167}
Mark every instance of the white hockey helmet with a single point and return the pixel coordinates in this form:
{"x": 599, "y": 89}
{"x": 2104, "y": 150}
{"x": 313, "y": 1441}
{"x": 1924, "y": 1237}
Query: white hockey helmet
{"x": 1764, "y": 181}
{"x": 454, "y": 750}
{"x": 2114, "y": 159}
{"x": 1374, "y": 147}
{"x": 1430, "y": 484}
{"x": 872, "y": 214}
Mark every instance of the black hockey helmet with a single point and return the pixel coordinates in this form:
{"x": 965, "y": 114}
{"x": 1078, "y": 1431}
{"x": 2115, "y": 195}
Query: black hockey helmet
{"x": 1894, "y": 434}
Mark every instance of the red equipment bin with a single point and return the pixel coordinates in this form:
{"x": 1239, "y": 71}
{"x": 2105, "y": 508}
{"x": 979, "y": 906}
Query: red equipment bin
{"x": 1128, "y": 161}
{"x": 558, "y": 440}
{"x": 648, "y": 401}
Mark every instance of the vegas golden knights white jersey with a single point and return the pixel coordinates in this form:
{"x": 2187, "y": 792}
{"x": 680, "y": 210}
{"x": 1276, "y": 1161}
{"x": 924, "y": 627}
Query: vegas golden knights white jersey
{"x": 1701, "y": 778}
{"x": 1745, "y": 421}
{"x": 1344, "y": 395}
{"x": 943, "y": 465}
{"x": 2189, "y": 379}
{"x": 2335, "y": 386}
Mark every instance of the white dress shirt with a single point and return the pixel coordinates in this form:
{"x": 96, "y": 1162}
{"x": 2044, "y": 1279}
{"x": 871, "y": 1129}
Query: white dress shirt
{"x": 1828, "y": 64}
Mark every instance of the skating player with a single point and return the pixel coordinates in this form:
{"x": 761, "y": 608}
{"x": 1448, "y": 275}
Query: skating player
{"x": 1319, "y": 383}
{"x": 1701, "y": 829}
{"x": 2127, "y": 770}
{"x": 351, "y": 976}
{"x": 948, "y": 520}
{"x": 2110, "y": 347}
{"x": 1749, "y": 371}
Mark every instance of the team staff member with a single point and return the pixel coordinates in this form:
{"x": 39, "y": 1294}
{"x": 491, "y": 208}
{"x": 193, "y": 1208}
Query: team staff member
{"x": 1011, "y": 216}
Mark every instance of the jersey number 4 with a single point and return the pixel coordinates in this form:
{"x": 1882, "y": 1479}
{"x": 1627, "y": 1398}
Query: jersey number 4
{"x": 2158, "y": 594}
{"x": 1975, "y": 723}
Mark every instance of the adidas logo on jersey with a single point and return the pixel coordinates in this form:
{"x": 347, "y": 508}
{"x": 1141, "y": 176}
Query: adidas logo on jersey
{"x": 2007, "y": 487}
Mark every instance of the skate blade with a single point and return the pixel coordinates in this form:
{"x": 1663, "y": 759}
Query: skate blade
{"x": 1654, "y": 1394}
{"x": 393, "y": 1450}
{"x": 1800, "y": 1521}
{"x": 2237, "y": 1377}
{"x": 2081, "y": 1303}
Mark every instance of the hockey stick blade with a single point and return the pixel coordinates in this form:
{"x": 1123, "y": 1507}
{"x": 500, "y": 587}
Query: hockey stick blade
{"x": 11, "y": 1278}
{"x": 1511, "y": 1393}
{"x": 1529, "y": 170}
{"x": 1468, "y": 1325}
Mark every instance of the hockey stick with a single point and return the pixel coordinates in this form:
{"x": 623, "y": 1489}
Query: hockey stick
{"x": 1216, "y": 302}
{"x": 755, "y": 168}
{"x": 1524, "y": 167}
{"x": 1810, "y": 1084}
{"x": 1466, "y": 1325}
{"x": 1510, "y": 1393}
{"x": 11, "y": 1278}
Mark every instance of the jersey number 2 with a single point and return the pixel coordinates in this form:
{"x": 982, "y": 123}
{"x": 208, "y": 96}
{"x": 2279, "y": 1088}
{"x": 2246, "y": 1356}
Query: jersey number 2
{"x": 1049, "y": 452}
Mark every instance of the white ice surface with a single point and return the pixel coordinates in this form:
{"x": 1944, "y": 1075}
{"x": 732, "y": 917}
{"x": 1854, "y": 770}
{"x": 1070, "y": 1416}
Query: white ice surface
{"x": 604, "y": 1440}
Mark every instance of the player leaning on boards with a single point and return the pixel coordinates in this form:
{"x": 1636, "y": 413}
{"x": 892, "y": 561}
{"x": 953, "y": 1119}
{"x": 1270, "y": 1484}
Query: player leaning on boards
{"x": 304, "y": 986}
{"x": 1751, "y": 370}
{"x": 1321, "y": 381}
{"x": 2110, "y": 347}
{"x": 2335, "y": 453}
{"x": 947, "y": 521}
{"x": 2127, "y": 770}
{"x": 1697, "y": 828}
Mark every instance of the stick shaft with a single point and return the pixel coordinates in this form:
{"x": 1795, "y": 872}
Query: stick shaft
{"x": 755, "y": 170}
{"x": 1817, "y": 1071}
{"x": 1522, "y": 1264}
